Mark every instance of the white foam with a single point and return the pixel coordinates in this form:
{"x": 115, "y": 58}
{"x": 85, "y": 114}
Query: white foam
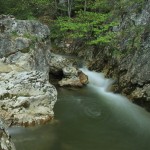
{"x": 119, "y": 105}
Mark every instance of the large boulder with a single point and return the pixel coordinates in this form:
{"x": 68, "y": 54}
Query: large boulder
{"x": 24, "y": 43}
{"x": 58, "y": 62}
{"x": 26, "y": 96}
{"x": 73, "y": 77}
{"x": 66, "y": 68}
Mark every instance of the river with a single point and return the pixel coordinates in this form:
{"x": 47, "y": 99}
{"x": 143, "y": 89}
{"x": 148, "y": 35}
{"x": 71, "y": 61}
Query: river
{"x": 89, "y": 118}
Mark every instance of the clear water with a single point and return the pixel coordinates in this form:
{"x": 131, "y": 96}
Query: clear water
{"x": 89, "y": 118}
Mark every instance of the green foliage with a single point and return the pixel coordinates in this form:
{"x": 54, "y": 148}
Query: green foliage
{"x": 17, "y": 8}
{"x": 87, "y": 21}
{"x": 30, "y": 36}
{"x": 14, "y": 34}
{"x": 103, "y": 6}
{"x": 90, "y": 27}
{"x": 25, "y": 9}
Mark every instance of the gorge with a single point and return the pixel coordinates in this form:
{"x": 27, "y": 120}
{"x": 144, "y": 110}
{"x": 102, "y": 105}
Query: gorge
{"x": 45, "y": 87}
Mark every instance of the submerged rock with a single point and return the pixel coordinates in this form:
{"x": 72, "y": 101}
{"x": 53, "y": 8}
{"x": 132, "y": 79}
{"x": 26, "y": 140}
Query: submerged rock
{"x": 26, "y": 96}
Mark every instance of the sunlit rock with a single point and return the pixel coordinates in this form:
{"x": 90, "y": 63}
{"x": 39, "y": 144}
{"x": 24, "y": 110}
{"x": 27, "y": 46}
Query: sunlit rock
{"x": 73, "y": 77}
{"x": 57, "y": 63}
{"x": 26, "y": 96}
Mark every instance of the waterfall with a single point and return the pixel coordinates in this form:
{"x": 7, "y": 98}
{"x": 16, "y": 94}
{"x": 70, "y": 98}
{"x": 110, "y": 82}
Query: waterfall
{"x": 129, "y": 113}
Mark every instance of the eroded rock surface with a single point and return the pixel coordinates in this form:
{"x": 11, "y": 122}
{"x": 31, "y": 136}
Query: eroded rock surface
{"x": 26, "y": 96}
{"x": 5, "y": 140}
{"x": 134, "y": 68}
{"x": 131, "y": 69}
{"x": 57, "y": 63}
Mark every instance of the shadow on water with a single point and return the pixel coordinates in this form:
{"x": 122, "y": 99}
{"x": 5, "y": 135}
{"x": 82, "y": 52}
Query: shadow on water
{"x": 89, "y": 119}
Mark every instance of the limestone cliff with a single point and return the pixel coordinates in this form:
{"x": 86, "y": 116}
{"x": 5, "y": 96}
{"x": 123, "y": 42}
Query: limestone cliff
{"x": 26, "y": 96}
{"x": 132, "y": 69}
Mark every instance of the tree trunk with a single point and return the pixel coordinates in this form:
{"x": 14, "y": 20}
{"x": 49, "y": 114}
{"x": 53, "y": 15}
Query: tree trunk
{"x": 56, "y": 7}
{"x": 85, "y": 5}
{"x": 69, "y": 8}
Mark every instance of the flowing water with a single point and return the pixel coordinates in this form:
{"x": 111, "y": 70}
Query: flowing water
{"x": 89, "y": 118}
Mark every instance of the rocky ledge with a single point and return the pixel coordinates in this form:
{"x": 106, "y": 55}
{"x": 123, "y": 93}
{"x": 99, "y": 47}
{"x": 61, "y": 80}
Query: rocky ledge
{"x": 26, "y": 96}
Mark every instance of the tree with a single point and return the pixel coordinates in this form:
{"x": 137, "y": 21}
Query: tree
{"x": 90, "y": 27}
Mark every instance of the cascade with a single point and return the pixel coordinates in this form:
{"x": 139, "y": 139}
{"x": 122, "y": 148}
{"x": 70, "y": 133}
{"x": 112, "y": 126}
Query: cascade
{"x": 129, "y": 113}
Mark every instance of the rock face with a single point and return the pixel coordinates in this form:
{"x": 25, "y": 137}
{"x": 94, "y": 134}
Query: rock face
{"x": 24, "y": 43}
{"x": 26, "y": 96}
{"x": 57, "y": 63}
{"x": 134, "y": 68}
{"x": 5, "y": 140}
{"x": 131, "y": 70}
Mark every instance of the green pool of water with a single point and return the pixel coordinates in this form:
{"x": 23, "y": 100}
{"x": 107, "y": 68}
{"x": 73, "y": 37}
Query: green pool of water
{"x": 86, "y": 120}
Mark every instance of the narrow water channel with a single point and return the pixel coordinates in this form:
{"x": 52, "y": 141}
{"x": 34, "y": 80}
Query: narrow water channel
{"x": 89, "y": 118}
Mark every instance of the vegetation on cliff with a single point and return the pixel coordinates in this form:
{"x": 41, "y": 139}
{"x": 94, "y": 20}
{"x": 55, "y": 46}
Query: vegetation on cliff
{"x": 85, "y": 22}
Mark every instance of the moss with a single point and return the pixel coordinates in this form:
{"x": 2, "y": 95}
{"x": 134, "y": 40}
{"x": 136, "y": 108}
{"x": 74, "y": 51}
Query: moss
{"x": 25, "y": 50}
{"x": 128, "y": 40}
{"x": 14, "y": 34}
{"x": 6, "y": 95}
{"x": 30, "y": 36}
